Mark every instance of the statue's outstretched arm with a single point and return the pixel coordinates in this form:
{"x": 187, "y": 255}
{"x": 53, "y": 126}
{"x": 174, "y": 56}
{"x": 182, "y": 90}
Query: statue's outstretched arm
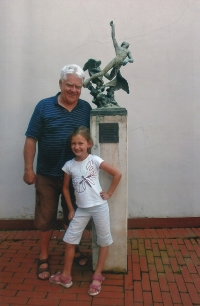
{"x": 113, "y": 35}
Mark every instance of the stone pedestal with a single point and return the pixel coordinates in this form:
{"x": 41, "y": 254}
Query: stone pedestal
{"x": 109, "y": 133}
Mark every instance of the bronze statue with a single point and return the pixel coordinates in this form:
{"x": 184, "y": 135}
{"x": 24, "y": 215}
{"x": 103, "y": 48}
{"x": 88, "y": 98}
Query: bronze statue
{"x": 123, "y": 56}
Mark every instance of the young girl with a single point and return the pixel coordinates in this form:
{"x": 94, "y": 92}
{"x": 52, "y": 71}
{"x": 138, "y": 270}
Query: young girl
{"x": 91, "y": 202}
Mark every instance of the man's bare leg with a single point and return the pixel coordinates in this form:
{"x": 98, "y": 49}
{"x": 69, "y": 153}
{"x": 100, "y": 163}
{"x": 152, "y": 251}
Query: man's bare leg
{"x": 44, "y": 252}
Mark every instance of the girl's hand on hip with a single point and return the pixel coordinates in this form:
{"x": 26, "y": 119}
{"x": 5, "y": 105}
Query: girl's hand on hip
{"x": 104, "y": 195}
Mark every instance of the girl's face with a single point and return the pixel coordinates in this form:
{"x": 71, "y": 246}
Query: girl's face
{"x": 80, "y": 146}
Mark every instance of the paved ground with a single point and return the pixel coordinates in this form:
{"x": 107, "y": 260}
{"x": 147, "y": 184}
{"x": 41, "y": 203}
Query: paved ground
{"x": 163, "y": 269}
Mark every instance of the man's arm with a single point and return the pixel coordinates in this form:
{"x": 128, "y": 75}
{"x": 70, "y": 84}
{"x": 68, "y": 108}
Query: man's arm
{"x": 29, "y": 154}
{"x": 67, "y": 197}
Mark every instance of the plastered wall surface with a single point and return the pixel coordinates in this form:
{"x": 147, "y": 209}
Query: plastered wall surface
{"x": 38, "y": 38}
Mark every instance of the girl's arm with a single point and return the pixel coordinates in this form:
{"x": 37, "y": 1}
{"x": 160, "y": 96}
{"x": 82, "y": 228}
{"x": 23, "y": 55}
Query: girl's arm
{"x": 115, "y": 181}
{"x": 66, "y": 194}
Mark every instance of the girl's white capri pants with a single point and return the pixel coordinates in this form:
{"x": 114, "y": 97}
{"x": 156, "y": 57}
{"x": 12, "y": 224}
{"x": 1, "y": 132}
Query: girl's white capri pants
{"x": 100, "y": 215}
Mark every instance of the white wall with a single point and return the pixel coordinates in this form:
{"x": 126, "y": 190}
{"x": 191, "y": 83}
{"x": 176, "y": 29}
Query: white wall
{"x": 38, "y": 37}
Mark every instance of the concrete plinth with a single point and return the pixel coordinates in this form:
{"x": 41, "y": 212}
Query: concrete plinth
{"x": 114, "y": 153}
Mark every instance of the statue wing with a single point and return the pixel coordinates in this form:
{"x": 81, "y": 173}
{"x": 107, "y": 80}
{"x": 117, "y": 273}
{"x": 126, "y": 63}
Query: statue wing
{"x": 118, "y": 83}
{"x": 92, "y": 65}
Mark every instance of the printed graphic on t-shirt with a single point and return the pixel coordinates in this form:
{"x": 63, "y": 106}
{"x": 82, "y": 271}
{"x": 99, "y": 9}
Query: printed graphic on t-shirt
{"x": 80, "y": 183}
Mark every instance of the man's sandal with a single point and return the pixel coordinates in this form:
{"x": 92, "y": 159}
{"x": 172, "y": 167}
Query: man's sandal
{"x": 58, "y": 279}
{"x": 79, "y": 258}
{"x": 97, "y": 288}
{"x": 42, "y": 270}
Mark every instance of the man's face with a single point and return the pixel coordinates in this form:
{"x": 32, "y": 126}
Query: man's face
{"x": 71, "y": 89}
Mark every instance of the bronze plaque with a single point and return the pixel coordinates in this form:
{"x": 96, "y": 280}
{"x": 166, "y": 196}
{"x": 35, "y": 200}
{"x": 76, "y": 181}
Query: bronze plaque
{"x": 108, "y": 132}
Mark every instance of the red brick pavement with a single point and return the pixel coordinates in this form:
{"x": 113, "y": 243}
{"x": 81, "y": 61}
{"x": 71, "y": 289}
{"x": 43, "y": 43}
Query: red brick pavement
{"x": 163, "y": 270}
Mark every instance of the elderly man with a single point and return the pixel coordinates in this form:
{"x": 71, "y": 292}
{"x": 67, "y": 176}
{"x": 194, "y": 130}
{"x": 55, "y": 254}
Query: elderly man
{"x": 52, "y": 122}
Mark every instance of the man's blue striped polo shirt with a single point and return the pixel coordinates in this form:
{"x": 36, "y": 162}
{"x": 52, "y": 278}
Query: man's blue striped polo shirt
{"x": 51, "y": 125}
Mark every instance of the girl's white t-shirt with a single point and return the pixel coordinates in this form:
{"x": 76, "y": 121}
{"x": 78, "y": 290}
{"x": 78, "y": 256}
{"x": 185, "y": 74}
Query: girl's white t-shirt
{"x": 85, "y": 180}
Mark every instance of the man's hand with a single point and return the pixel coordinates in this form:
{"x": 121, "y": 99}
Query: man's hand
{"x": 29, "y": 177}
